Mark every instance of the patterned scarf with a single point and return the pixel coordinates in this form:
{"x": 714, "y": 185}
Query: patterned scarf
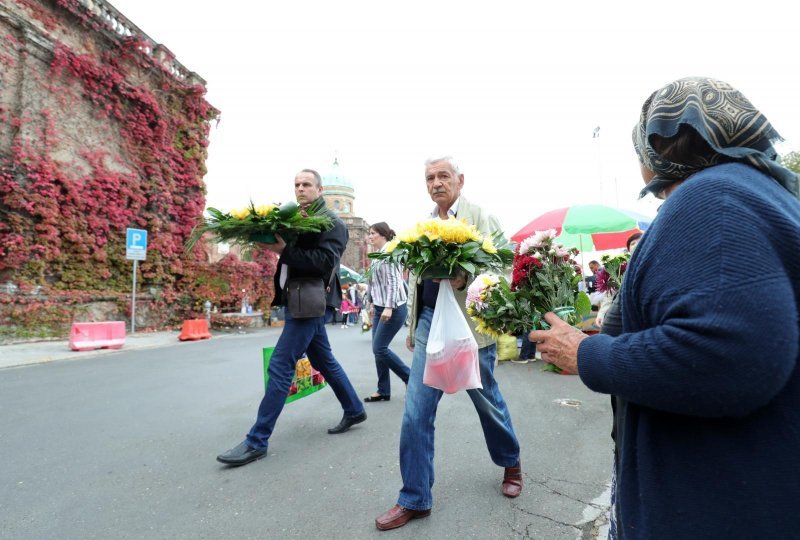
{"x": 734, "y": 129}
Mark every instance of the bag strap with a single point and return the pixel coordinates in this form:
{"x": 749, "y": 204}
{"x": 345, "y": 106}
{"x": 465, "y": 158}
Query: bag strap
{"x": 330, "y": 280}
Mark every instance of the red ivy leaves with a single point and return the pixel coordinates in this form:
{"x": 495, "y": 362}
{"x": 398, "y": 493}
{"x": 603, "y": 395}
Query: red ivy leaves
{"x": 63, "y": 226}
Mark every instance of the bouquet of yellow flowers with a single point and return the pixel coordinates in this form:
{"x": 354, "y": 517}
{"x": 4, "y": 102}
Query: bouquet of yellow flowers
{"x": 259, "y": 223}
{"x": 437, "y": 248}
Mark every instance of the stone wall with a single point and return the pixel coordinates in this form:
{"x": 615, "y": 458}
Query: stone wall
{"x": 355, "y": 256}
{"x": 31, "y": 30}
{"x": 102, "y": 129}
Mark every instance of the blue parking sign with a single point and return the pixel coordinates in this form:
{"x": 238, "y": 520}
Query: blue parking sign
{"x": 136, "y": 244}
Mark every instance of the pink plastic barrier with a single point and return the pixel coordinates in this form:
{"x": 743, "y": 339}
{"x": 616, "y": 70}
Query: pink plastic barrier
{"x": 97, "y": 335}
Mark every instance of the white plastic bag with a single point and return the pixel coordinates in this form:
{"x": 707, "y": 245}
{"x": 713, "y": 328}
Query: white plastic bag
{"x": 451, "y": 362}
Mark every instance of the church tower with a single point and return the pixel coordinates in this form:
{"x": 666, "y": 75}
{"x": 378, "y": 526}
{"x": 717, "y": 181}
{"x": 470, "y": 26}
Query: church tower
{"x": 339, "y": 196}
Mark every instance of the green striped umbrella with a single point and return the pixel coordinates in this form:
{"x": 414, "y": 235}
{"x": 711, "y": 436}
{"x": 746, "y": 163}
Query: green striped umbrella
{"x": 348, "y": 275}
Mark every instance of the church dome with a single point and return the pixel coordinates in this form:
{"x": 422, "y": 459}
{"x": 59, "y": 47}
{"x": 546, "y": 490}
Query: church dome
{"x": 334, "y": 178}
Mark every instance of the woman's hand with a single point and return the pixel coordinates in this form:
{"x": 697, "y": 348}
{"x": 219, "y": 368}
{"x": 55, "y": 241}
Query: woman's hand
{"x": 386, "y": 314}
{"x": 559, "y": 345}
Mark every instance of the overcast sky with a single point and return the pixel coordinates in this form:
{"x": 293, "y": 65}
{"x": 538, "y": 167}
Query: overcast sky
{"x": 512, "y": 89}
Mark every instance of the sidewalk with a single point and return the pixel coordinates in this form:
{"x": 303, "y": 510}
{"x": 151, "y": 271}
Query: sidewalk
{"x": 40, "y": 352}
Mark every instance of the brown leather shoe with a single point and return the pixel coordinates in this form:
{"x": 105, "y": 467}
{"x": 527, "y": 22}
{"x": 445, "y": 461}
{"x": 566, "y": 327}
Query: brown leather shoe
{"x": 512, "y": 481}
{"x": 398, "y": 516}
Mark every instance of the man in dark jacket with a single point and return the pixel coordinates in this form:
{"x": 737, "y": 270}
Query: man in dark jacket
{"x": 312, "y": 255}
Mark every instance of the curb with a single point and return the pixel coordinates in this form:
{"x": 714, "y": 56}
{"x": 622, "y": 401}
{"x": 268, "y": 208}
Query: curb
{"x": 45, "y": 352}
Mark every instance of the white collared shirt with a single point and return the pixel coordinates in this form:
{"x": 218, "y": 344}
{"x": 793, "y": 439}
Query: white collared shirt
{"x": 452, "y": 211}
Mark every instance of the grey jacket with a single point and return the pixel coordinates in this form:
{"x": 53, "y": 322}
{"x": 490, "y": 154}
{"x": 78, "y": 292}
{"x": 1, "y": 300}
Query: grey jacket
{"x": 486, "y": 224}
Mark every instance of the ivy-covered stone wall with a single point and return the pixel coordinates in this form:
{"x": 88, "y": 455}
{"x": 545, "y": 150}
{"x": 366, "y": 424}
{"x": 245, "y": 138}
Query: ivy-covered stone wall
{"x": 100, "y": 132}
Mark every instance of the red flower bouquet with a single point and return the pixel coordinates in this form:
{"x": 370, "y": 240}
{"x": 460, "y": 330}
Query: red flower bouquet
{"x": 546, "y": 276}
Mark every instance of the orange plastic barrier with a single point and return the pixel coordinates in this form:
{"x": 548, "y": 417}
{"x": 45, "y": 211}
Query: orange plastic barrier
{"x": 194, "y": 329}
{"x": 87, "y": 336}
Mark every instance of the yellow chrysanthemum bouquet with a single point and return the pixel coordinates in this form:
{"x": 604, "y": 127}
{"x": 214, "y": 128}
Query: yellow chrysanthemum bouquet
{"x": 436, "y": 248}
{"x": 259, "y": 223}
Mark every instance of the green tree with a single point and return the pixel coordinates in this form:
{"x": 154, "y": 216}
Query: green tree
{"x": 792, "y": 161}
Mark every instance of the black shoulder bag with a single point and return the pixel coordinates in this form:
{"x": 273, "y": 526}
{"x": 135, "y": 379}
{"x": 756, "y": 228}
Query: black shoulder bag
{"x": 306, "y": 297}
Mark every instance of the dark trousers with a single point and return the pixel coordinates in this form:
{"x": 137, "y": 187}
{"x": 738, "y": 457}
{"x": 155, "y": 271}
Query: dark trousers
{"x": 385, "y": 358}
{"x": 528, "y": 349}
{"x": 300, "y": 336}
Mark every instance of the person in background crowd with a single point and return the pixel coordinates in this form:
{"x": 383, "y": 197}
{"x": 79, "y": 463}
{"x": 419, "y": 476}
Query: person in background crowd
{"x": 591, "y": 281}
{"x": 358, "y": 303}
{"x": 527, "y": 351}
{"x": 363, "y": 290}
{"x": 346, "y": 308}
{"x": 388, "y": 298}
{"x": 632, "y": 242}
{"x": 444, "y": 182}
{"x": 312, "y": 255}
{"x": 705, "y": 370}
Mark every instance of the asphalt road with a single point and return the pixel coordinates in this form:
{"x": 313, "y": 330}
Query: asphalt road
{"x": 123, "y": 446}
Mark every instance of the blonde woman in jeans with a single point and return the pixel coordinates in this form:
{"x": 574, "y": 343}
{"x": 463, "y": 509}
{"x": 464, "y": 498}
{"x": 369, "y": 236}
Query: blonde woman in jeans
{"x": 388, "y": 298}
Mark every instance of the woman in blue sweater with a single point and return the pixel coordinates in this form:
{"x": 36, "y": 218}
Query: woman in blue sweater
{"x": 706, "y": 369}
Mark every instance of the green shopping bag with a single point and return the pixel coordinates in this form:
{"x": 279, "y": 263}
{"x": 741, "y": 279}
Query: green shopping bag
{"x": 306, "y": 380}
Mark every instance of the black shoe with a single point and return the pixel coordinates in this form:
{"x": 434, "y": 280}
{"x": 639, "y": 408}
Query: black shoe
{"x": 348, "y": 422}
{"x": 241, "y": 455}
{"x": 379, "y": 397}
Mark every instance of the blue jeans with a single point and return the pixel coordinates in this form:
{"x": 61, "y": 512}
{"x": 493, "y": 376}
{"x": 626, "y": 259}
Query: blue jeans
{"x": 300, "y": 336}
{"x": 416, "y": 436}
{"x": 382, "y": 335}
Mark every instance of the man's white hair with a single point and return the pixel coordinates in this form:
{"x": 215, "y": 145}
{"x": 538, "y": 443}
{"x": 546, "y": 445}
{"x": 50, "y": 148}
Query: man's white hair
{"x": 448, "y": 159}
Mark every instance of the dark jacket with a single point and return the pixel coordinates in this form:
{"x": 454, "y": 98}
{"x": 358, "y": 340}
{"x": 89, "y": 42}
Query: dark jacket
{"x": 315, "y": 255}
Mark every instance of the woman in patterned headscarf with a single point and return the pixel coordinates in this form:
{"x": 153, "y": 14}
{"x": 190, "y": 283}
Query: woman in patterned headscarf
{"x": 705, "y": 372}
{"x": 695, "y": 123}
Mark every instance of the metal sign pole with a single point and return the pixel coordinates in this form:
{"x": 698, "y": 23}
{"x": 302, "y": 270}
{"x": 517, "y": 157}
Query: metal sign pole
{"x": 135, "y": 250}
{"x": 133, "y": 298}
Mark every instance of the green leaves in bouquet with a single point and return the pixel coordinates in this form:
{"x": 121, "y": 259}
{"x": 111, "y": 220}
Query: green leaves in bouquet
{"x": 615, "y": 266}
{"x": 554, "y": 287}
{"x": 212, "y": 224}
{"x": 583, "y": 304}
{"x": 503, "y": 311}
{"x": 513, "y": 315}
{"x": 241, "y": 226}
